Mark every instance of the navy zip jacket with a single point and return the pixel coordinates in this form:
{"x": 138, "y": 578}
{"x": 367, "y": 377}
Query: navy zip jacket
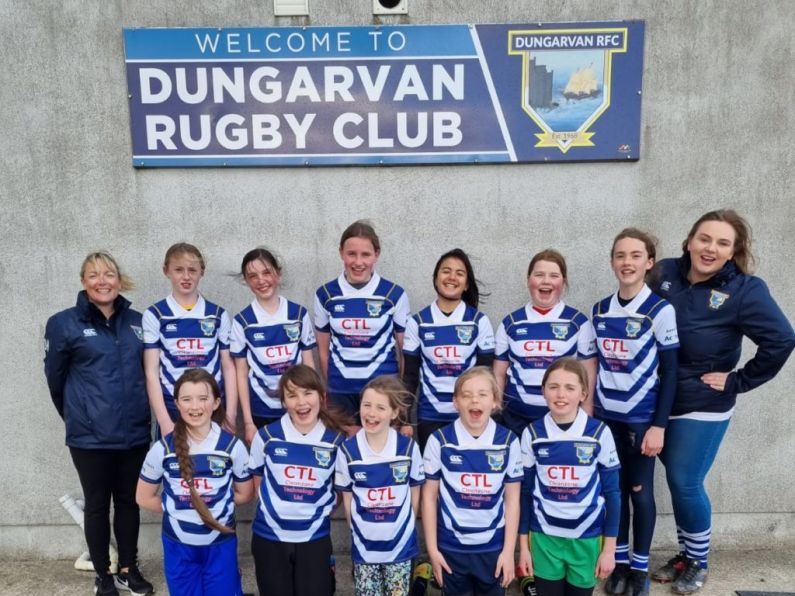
{"x": 712, "y": 317}
{"x": 95, "y": 375}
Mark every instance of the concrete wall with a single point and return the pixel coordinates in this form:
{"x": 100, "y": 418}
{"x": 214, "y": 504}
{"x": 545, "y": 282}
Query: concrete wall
{"x": 717, "y": 120}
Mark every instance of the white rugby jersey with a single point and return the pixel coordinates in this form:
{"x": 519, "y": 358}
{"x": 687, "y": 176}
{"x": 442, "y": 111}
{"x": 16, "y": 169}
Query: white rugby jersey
{"x": 382, "y": 520}
{"x": 448, "y": 346}
{"x": 186, "y": 339}
{"x": 362, "y": 324}
{"x": 627, "y": 339}
{"x": 567, "y": 493}
{"x": 530, "y": 342}
{"x": 218, "y": 461}
{"x": 472, "y": 473}
{"x": 270, "y": 343}
{"x": 296, "y": 494}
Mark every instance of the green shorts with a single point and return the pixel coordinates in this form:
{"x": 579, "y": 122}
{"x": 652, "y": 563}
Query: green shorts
{"x": 572, "y": 559}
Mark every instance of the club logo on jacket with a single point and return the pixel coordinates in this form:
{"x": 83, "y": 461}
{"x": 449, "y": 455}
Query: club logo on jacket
{"x": 717, "y": 299}
{"x": 139, "y": 332}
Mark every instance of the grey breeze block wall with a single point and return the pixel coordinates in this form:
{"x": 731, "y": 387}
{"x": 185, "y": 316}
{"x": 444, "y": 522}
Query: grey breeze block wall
{"x": 717, "y": 117}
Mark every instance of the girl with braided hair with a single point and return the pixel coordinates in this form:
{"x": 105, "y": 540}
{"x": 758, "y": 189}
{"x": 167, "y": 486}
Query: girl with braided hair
{"x": 204, "y": 474}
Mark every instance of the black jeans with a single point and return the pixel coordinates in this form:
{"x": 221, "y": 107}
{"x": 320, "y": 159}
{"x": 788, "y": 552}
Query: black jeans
{"x": 106, "y": 473}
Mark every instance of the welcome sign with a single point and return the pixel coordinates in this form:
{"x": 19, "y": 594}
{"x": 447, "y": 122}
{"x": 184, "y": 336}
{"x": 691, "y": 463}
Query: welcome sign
{"x": 385, "y": 95}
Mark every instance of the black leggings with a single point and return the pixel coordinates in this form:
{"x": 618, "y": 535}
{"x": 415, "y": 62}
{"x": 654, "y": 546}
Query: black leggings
{"x": 106, "y": 473}
{"x": 293, "y": 568}
{"x": 559, "y": 587}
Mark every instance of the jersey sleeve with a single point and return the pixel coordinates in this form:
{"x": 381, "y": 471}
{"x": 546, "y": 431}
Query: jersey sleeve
{"x": 57, "y": 357}
{"x": 608, "y": 456}
{"x": 411, "y": 341}
{"x": 151, "y": 328}
{"x": 586, "y": 341}
{"x": 417, "y": 473}
{"x": 152, "y": 469}
{"x": 485, "y": 336}
{"x": 240, "y": 471}
{"x": 224, "y": 330}
{"x": 256, "y": 458}
{"x": 665, "y": 332}
{"x": 321, "y": 315}
{"x": 308, "y": 340}
{"x": 515, "y": 464}
{"x": 342, "y": 476}
{"x": 237, "y": 340}
{"x": 501, "y": 344}
{"x": 432, "y": 458}
{"x": 402, "y": 311}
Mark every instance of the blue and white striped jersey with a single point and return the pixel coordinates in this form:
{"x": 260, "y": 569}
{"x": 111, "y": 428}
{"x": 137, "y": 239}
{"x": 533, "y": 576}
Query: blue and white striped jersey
{"x": 472, "y": 473}
{"x": 186, "y": 339}
{"x": 296, "y": 494}
{"x": 566, "y": 465}
{"x": 447, "y": 346}
{"x": 530, "y": 342}
{"x": 270, "y": 343}
{"x": 382, "y": 520}
{"x": 627, "y": 339}
{"x": 218, "y": 461}
{"x": 362, "y": 324}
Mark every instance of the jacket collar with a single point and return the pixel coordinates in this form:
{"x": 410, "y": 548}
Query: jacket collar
{"x": 88, "y": 310}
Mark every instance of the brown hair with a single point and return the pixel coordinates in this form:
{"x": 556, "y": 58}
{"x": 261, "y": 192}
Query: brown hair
{"x": 182, "y": 450}
{"x": 125, "y": 283}
{"x": 306, "y": 377}
{"x": 743, "y": 257}
{"x": 571, "y": 365}
{"x": 395, "y": 392}
{"x": 182, "y": 248}
{"x": 479, "y": 371}
{"x": 260, "y": 254}
{"x": 361, "y": 229}
{"x": 553, "y": 256}
{"x": 649, "y": 241}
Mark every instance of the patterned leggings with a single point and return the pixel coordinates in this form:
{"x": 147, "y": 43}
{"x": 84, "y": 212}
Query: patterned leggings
{"x": 388, "y": 579}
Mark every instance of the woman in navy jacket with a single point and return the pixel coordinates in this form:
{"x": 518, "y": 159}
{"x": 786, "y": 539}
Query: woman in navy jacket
{"x": 94, "y": 370}
{"x": 717, "y": 303}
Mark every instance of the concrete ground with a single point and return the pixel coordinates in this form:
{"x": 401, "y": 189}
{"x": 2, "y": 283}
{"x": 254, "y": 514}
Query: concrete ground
{"x": 759, "y": 570}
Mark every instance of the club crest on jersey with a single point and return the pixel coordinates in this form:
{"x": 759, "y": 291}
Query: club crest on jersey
{"x": 584, "y": 452}
{"x": 717, "y": 299}
{"x": 400, "y": 471}
{"x": 139, "y": 333}
{"x": 560, "y": 330}
{"x": 217, "y": 465}
{"x": 323, "y": 456}
{"x": 633, "y": 328}
{"x": 374, "y": 307}
{"x": 496, "y": 460}
{"x": 464, "y": 333}
{"x": 207, "y": 326}
{"x": 293, "y": 331}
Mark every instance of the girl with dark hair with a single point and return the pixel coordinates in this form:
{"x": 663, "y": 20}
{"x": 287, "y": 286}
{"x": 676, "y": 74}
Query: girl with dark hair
{"x": 268, "y": 336}
{"x": 718, "y": 303}
{"x": 204, "y": 473}
{"x": 443, "y": 340}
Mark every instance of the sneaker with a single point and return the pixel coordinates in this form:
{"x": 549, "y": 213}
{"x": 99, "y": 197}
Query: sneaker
{"x": 693, "y": 577}
{"x": 617, "y": 582}
{"x": 638, "y": 583}
{"x": 671, "y": 570}
{"x": 104, "y": 586}
{"x": 134, "y": 582}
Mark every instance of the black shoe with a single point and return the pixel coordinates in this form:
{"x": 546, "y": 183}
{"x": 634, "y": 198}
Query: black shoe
{"x": 671, "y": 570}
{"x": 618, "y": 580}
{"x": 134, "y": 582}
{"x": 104, "y": 586}
{"x": 638, "y": 583}
{"x": 692, "y": 579}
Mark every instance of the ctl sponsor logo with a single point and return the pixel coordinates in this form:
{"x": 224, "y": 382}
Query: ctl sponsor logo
{"x": 614, "y": 345}
{"x": 562, "y": 473}
{"x": 538, "y": 345}
{"x": 278, "y": 351}
{"x": 198, "y": 484}
{"x": 190, "y": 343}
{"x": 355, "y": 325}
{"x": 446, "y": 352}
{"x": 475, "y": 480}
{"x": 381, "y": 494}
{"x": 300, "y": 473}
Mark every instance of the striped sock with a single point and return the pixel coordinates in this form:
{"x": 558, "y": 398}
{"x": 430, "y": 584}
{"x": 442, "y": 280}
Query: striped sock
{"x": 640, "y": 562}
{"x": 622, "y": 554}
{"x": 697, "y": 545}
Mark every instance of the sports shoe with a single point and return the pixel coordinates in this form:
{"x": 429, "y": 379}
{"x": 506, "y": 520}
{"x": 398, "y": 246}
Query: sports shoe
{"x": 104, "y": 586}
{"x": 134, "y": 582}
{"x": 671, "y": 570}
{"x": 617, "y": 582}
{"x": 693, "y": 577}
{"x": 638, "y": 583}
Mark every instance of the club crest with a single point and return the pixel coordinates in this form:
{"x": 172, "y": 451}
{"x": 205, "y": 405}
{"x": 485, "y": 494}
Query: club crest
{"x": 139, "y": 332}
{"x": 496, "y": 460}
{"x": 293, "y": 331}
{"x": 584, "y": 452}
{"x": 717, "y": 299}
{"x": 566, "y": 80}
{"x": 207, "y": 326}
{"x": 560, "y": 330}
{"x": 323, "y": 456}
{"x": 633, "y": 328}
{"x": 374, "y": 307}
{"x": 217, "y": 465}
{"x": 400, "y": 472}
{"x": 464, "y": 333}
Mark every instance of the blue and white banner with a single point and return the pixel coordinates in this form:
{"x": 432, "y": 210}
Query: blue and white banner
{"x": 385, "y": 95}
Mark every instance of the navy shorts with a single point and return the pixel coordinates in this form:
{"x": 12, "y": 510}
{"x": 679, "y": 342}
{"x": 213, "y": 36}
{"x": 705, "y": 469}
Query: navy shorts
{"x": 473, "y": 574}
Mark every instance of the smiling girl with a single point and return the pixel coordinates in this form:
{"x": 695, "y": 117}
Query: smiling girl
{"x": 186, "y": 331}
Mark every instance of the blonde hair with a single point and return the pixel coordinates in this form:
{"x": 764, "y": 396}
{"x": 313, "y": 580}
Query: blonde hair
{"x": 395, "y": 392}
{"x": 479, "y": 371}
{"x": 183, "y": 248}
{"x": 101, "y": 256}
